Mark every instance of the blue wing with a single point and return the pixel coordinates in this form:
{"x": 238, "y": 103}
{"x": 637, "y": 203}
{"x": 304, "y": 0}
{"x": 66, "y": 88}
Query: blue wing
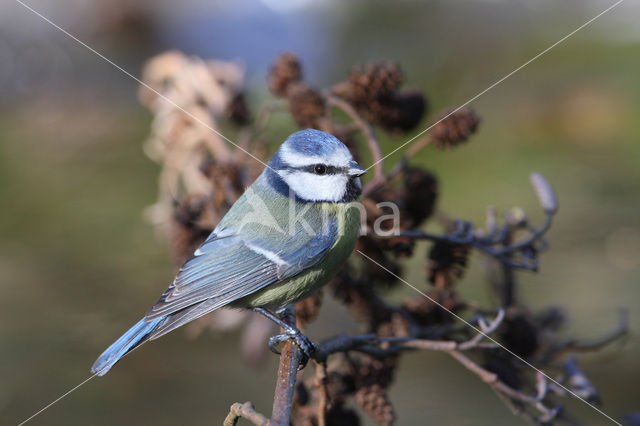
{"x": 229, "y": 266}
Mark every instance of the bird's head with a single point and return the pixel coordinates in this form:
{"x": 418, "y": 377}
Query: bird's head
{"x": 317, "y": 167}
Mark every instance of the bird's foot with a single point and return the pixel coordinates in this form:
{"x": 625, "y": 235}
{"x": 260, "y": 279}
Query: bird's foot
{"x": 306, "y": 346}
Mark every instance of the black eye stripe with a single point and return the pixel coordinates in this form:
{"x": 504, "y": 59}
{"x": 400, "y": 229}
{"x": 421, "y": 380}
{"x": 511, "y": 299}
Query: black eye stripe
{"x": 329, "y": 170}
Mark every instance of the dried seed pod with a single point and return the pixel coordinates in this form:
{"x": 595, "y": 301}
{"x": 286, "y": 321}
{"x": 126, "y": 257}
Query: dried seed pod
{"x": 446, "y": 263}
{"x": 366, "y": 86}
{"x": 360, "y": 298}
{"x": 421, "y": 188}
{"x": 305, "y": 104}
{"x": 506, "y": 366}
{"x": 284, "y": 71}
{"x": 454, "y": 128}
{"x": 397, "y": 326}
{"x": 339, "y": 415}
{"x": 519, "y": 334}
{"x": 401, "y": 246}
{"x": 375, "y": 249}
{"x": 369, "y": 370}
{"x": 427, "y": 313}
{"x": 186, "y": 232}
{"x": 238, "y": 111}
{"x": 401, "y": 111}
{"x": 339, "y": 386}
{"x": 374, "y": 91}
{"x": 374, "y": 401}
{"x": 159, "y": 72}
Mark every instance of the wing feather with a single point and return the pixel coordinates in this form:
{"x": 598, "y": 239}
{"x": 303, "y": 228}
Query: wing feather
{"x": 229, "y": 266}
{"x": 225, "y": 277}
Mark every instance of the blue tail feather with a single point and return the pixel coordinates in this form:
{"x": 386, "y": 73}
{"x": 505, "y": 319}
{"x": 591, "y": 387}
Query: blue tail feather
{"x": 129, "y": 340}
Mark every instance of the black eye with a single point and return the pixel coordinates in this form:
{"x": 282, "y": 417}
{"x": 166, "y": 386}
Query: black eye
{"x": 320, "y": 169}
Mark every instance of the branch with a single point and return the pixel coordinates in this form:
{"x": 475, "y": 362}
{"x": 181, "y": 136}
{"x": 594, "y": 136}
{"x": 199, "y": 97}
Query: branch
{"x": 498, "y": 241}
{"x": 247, "y": 411}
{"x": 579, "y": 346}
{"x": 507, "y": 393}
{"x": 369, "y": 134}
{"x": 521, "y": 255}
{"x": 286, "y": 382}
{"x": 380, "y": 347}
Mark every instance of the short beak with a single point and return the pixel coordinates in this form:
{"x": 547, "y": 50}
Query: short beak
{"x": 355, "y": 170}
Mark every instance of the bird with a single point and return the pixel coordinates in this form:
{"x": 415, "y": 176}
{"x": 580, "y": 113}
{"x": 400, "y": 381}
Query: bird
{"x": 282, "y": 240}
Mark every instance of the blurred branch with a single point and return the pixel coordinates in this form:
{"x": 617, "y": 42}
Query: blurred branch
{"x": 248, "y": 412}
{"x": 495, "y": 244}
{"x": 579, "y": 346}
{"x": 380, "y": 347}
{"x": 369, "y": 134}
{"x": 498, "y": 242}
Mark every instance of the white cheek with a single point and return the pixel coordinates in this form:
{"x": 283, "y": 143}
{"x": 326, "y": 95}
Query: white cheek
{"x": 312, "y": 187}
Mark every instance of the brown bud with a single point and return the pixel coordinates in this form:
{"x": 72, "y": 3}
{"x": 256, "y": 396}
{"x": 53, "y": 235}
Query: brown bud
{"x": 185, "y": 230}
{"x": 373, "y": 82}
{"x": 401, "y": 112}
{"x": 374, "y": 401}
{"x": 238, "y": 111}
{"x": 421, "y": 189}
{"x": 374, "y": 91}
{"x": 339, "y": 386}
{"x": 454, "y": 128}
{"x": 339, "y": 415}
{"x": 505, "y": 365}
{"x": 427, "y": 313}
{"x": 305, "y": 104}
{"x": 284, "y": 71}
{"x": 446, "y": 263}
{"x": 519, "y": 334}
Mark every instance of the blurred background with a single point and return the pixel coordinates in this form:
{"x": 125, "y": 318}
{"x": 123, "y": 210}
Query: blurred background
{"x": 79, "y": 263}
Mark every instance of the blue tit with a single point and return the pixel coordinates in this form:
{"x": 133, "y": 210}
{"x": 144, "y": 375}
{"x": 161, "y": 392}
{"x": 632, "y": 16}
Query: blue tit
{"x": 283, "y": 239}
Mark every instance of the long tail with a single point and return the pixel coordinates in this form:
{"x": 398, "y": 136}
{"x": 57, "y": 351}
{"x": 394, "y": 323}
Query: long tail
{"x": 129, "y": 340}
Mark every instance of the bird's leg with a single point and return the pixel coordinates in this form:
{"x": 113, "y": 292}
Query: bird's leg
{"x": 290, "y": 332}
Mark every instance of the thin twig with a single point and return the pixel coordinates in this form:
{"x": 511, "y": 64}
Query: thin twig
{"x": 380, "y": 347}
{"x": 370, "y": 136}
{"x": 497, "y": 246}
{"x": 500, "y": 387}
{"x": 418, "y": 145}
{"x": 579, "y": 346}
{"x": 248, "y": 412}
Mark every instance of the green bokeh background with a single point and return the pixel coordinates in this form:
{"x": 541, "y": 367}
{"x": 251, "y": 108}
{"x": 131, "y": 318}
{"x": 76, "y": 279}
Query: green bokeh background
{"x": 79, "y": 264}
